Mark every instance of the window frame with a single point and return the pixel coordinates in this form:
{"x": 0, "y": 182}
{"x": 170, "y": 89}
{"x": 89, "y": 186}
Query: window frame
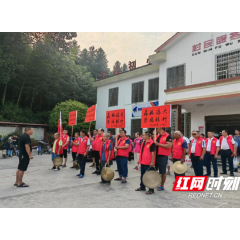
{"x": 215, "y": 60}
{"x": 109, "y": 96}
{"x": 148, "y": 89}
{"x": 132, "y": 92}
{"x": 185, "y": 70}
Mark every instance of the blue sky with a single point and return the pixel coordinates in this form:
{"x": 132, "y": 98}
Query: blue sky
{"x": 124, "y": 47}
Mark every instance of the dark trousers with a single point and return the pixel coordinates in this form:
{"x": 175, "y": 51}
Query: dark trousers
{"x": 176, "y": 174}
{"x": 144, "y": 168}
{"x": 197, "y": 165}
{"x": 130, "y": 156}
{"x": 227, "y": 154}
{"x": 102, "y": 165}
{"x": 122, "y": 165}
{"x": 97, "y": 158}
{"x": 74, "y": 154}
{"x": 82, "y": 162}
{"x": 210, "y": 158}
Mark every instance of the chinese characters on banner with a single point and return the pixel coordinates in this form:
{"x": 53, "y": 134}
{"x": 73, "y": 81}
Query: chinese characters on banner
{"x": 154, "y": 117}
{"x": 91, "y": 114}
{"x": 115, "y": 119}
{"x": 72, "y": 120}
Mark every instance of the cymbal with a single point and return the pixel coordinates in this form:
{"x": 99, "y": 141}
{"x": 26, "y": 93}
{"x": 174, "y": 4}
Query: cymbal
{"x": 107, "y": 174}
{"x": 57, "y": 161}
{"x": 151, "y": 179}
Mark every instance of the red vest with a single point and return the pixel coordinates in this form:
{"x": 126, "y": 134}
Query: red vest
{"x": 107, "y": 145}
{"x": 57, "y": 147}
{"x": 116, "y": 141}
{"x": 177, "y": 149}
{"x": 64, "y": 139}
{"x": 198, "y": 147}
{"x": 229, "y": 141}
{"x": 122, "y": 152}
{"x": 98, "y": 142}
{"x": 213, "y": 145}
{"x": 74, "y": 147}
{"x": 82, "y": 145}
{"x": 163, "y": 140}
{"x": 93, "y": 143}
{"x": 145, "y": 156}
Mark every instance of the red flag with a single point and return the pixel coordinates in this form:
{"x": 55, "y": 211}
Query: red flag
{"x": 60, "y": 129}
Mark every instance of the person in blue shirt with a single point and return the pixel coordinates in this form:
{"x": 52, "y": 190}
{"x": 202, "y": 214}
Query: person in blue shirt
{"x": 237, "y": 140}
{"x": 105, "y": 154}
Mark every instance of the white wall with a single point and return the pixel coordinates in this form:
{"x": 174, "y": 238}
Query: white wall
{"x": 124, "y": 99}
{"x": 199, "y": 68}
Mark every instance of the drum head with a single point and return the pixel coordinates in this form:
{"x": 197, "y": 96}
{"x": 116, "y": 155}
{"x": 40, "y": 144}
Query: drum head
{"x": 151, "y": 179}
{"x": 57, "y": 161}
{"x": 107, "y": 174}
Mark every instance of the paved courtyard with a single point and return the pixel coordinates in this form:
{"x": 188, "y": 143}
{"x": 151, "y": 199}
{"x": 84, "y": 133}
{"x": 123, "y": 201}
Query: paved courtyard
{"x": 51, "y": 189}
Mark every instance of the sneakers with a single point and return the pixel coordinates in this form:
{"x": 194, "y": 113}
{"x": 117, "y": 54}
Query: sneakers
{"x": 57, "y": 169}
{"x": 64, "y": 165}
{"x": 72, "y": 167}
{"x": 93, "y": 165}
{"x": 95, "y": 172}
{"x": 81, "y": 176}
{"x": 78, "y": 175}
{"x": 134, "y": 167}
{"x": 53, "y": 168}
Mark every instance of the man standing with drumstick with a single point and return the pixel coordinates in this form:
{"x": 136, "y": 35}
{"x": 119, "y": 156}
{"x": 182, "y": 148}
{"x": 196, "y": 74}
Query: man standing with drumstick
{"x": 146, "y": 159}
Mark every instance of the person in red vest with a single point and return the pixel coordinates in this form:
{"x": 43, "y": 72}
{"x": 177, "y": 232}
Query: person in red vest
{"x": 95, "y": 131}
{"x": 179, "y": 148}
{"x": 57, "y": 149}
{"x": 75, "y": 145}
{"x": 65, "y": 140}
{"x": 163, "y": 144}
{"x": 212, "y": 147}
{"x": 197, "y": 151}
{"x": 97, "y": 146}
{"x": 146, "y": 159}
{"x": 228, "y": 150}
{"x": 106, "y": 154}
{"x": 116, "y": 141}
{"x": 122, "y": 150}
{"x": 83, "y": 148}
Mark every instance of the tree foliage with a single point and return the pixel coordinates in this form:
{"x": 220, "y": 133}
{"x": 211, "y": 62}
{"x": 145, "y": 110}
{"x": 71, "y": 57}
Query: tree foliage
{"x": 65, "y": 108}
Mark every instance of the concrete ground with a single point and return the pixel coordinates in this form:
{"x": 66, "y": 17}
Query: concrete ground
{"x": 62, "y": 189}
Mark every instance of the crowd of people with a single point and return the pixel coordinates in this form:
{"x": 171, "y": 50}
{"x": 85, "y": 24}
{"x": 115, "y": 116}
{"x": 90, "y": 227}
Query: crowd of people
{"x": 150, "y": 151}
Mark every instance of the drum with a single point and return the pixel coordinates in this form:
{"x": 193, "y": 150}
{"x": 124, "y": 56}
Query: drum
{"x": 151, "y": 179}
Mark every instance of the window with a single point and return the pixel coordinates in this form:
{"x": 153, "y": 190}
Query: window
{"x": 228, "y": 65}
{"x": 176, "y": 77}
{"x": 153, "y": 89}
{"x": 113, "y": 97}
{"x": 136, "y": 127}
{"x": 137, "y": 92}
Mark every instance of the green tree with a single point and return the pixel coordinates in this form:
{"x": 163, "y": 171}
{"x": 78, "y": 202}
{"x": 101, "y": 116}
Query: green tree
{"x": 65, "y": 108}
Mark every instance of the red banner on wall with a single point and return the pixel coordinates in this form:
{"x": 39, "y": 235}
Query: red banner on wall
{"x": 154, "y": 117}
{"x": 115, "y": 119}
{"x": 72, "y": 120}
{"x": 91, "y": 114}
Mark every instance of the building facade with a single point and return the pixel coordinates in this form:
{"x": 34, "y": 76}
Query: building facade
{"x": 198, "y": 74}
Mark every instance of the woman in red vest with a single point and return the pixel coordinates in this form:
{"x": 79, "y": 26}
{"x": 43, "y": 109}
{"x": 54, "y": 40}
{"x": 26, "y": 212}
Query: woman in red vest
{"x": 83, "y": 148}
{"x": 57, "y": 149}
{"x": 179, "y": 148}
{"x": 65, "y": 140}
{"x": 212, "y": 147}
{"x": 95, "y": 131}
{"x": 197, "y": 151}
{"x": 122, "y": 149}
{"x": 163, "y": 150}
{"x": 97, "y": 146}
{"x": 146, "y": 159}
{"x": 106, "y": 154}
{"x": 75, "y": 145}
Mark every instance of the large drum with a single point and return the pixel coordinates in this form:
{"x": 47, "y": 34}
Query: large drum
{"x": 151, "y": 179}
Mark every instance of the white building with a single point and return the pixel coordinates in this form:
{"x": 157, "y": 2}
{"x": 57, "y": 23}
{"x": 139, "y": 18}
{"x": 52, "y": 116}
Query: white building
{"x": 197, "y": 73}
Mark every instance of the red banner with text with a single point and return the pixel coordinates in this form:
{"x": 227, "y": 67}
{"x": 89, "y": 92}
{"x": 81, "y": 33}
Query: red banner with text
{"x": 115, "y": 119}
{"x": 91, "y": 114}
{"x": 72, "y": 120}
{"x": 154, "y": 117}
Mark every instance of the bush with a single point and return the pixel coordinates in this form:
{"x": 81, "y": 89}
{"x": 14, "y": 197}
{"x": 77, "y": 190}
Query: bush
{"x": 65, "y": 108}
